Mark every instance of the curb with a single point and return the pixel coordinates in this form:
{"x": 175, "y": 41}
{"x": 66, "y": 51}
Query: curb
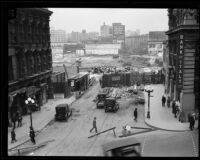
{"x": 164, "y": 128}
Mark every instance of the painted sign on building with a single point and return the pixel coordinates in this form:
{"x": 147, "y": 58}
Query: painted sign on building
{"x": 180, "y": 62}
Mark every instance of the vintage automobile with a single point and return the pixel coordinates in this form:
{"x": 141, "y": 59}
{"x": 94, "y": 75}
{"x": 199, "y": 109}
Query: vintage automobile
{"x": 141, "y": 87}
{"x": 122, "y": 147}
{"x": 111, "y": 105}
{"x": 101, "y": 99}
{"x": 63, "y": 112}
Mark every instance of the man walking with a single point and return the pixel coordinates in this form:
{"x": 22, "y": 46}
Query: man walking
{"x": 135, "y": 114}
{"x": 94, "y": 125}
{"x": 173, "y": 106}
{"x": 168, "y": 102}
{"x": 19, "y": 119}
{"x": 13, "y": 136}
{"x": 32, "y": 135}
{"x": 163, "y": 100}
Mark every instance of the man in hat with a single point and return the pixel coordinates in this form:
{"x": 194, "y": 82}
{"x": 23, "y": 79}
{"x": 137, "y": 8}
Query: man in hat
{"x": 135, "y": 114}
{"x": 94, "y": 125}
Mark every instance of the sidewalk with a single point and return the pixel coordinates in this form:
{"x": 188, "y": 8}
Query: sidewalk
{"x": 162, "y": 117}
{"x": 39, "y": 118}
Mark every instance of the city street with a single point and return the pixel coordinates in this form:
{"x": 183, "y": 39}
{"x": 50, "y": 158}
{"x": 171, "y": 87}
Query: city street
{"x": 79, "y": 81}
{"x": 71, "y": 138}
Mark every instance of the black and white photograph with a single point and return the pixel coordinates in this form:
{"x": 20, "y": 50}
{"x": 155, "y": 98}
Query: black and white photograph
{"x": 103, "y": 82}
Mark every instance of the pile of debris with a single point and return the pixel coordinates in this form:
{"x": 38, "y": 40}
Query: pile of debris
{"x": 125, "y": 93}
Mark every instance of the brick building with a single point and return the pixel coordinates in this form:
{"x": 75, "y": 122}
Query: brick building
{"x": 29, "y": 58}
{"x": 183, "y": 49}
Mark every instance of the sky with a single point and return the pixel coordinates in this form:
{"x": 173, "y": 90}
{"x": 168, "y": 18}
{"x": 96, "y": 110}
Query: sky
{"x": 90, "y": 19}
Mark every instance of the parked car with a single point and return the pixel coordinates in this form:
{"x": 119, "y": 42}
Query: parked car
{"x": 101, "y": 99}
{"x": 139, "y": 100}
{"x": 123, "y": 147}
{"x": 142, "y": 87}
{"x": 63, "y": 112}
{"x": 111, "y": 105}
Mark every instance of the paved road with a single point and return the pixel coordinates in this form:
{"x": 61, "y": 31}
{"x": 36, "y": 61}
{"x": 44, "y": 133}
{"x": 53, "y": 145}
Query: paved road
{"x": 169, "y": 144}
{"x": 71, "y": 138}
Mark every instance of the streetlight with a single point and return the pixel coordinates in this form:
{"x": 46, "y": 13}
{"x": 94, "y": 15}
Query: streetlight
{"x": 29, "y": 102}
{"x": 148, "y": 89}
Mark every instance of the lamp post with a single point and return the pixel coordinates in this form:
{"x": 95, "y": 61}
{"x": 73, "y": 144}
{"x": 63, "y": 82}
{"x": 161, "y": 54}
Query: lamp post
{"x": 148, "y": 89}
{"x": 29, "y": 102}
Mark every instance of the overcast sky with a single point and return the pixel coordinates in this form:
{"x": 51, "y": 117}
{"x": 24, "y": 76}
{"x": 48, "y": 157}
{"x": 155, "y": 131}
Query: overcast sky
{"x": 76, "y": 19}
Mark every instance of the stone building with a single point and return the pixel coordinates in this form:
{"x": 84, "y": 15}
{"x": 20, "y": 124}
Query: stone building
{"x": 137, "y": 44}
{"x": 29, "y": 58}
{"x": 183, "y": 48}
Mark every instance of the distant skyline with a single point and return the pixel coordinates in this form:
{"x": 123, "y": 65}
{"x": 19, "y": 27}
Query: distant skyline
{"x": 90, "y": 19}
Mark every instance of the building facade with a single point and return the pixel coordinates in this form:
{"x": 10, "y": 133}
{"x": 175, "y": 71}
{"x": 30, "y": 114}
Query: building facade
{"x": 58, "y": 39}
{"x": 29, "y": 58}
{"x": 106, "y": 30}
{"x": 58, "y": 36}
{"x": 119, "y": 33}
{"x": 137, "y": 44}
{"x": 183, "y": 46}
{"x": 155, "y": 42}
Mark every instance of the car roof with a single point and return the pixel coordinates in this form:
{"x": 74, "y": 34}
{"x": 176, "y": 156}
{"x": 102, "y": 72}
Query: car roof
{"x": 62, "y": 105}
{"x": 102, "y": 94}
{"x": 120, "y": 143}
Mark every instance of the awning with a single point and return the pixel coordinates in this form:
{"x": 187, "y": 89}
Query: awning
{"x": 19, "y": 91}
{"x": 11, "y": 95}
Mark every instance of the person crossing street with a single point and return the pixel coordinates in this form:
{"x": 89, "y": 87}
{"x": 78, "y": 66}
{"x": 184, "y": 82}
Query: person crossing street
{"x": 19, "y": 119}
{"x": 135, "y": 114}
{"x": 94, "y": 124}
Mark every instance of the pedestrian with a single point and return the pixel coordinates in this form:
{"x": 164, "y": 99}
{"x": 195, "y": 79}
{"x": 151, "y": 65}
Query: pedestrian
{"x": 173, "y": 106}
{"x": 163, "y": 100}
{"x": 177, "y": 111}
{"x": 32, "y": 135}
{"x": 13, "y": 136}
{"x": 13, "y": 119}
{"x": 135, "y": 114}
{"x": 192, "y": 121}
{"x": 168, "y": 101}
{"x": 19, "y": 119}
{"x": 94, "y": 125}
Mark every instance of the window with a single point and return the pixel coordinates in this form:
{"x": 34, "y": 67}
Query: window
{"x": 151, "y": 45}
{"x": 159, "y": 46}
